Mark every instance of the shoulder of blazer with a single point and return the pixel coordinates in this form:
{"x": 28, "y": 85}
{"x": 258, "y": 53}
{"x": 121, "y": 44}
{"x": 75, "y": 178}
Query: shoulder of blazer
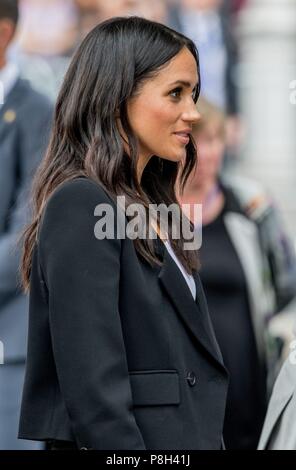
{"x": 77, "y": 188}
{"x": 81, "y": 192}
{"x": 68, "y": 224}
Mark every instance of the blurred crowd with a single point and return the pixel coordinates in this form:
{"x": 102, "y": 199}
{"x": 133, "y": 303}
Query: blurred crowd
{"x": 47, "y": 34}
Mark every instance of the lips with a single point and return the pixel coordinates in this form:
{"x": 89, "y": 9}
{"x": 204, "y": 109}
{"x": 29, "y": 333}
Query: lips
{"x": 183, "y": 136}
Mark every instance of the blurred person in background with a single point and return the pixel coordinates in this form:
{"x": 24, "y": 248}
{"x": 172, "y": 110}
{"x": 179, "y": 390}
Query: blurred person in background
{"x": 279, "y": 429}
{"x": 236, "y": 6}
{"x": 206, "y": 23}
{"x": 248, "y": 272}
{"x": 48, "y": 33}
{"x": 209, "y": 24}
{"x": 49, "y": 27}
{"x": 88, "y": 11}
{"x": 25, "y": 118}
{"x": 155, "y": 10}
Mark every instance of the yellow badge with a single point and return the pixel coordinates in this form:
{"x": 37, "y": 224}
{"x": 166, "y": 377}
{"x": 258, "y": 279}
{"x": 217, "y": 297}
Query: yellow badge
{"x": 9, "y": 116}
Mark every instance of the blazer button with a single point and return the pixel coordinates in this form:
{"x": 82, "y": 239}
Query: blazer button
{"x": 191, "y": 378}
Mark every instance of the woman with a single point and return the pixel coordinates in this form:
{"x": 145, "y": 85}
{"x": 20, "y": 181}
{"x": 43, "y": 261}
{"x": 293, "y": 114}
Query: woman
{"x": 248, "y": 272}
{"x": 121, "y": 351}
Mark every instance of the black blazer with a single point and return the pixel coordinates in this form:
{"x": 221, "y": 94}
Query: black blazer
{"x": 120, "y": 356}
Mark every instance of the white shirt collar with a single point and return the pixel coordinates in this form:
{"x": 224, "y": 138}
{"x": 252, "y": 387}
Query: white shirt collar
{"x": 8, "y": 78}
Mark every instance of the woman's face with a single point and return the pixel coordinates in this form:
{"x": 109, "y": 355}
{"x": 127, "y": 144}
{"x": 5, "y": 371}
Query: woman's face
{"x": 210, "y": 150}
{"x": 163, "y": 112}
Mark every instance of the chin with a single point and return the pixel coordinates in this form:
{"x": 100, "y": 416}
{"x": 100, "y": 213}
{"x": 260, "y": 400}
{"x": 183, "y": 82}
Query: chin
{"x": 175, "y": 157}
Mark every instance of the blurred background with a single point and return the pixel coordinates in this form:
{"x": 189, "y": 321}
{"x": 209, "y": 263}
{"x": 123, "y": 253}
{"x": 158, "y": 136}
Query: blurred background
{"x": 248, "y": 69}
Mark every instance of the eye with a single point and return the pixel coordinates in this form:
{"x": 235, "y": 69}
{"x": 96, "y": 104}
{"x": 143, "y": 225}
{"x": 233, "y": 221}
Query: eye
{"x": 176, "y": 92}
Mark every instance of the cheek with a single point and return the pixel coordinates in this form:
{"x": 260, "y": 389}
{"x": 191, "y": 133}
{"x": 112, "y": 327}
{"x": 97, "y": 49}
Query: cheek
{"x": 155, "y": 132}
{"x": 158, "y": 119}
{"x": 153, "y": 121}
{"x": 162, "y": 114}
{"x": 149, "y": 121}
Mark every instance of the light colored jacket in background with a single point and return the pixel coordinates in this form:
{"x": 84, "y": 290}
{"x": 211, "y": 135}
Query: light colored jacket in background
{"x": 267, "y": 257}
{"x": 279, "y": 430}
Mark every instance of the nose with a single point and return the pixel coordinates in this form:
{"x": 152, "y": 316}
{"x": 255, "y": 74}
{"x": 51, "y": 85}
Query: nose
{"x": 191, "y": 115}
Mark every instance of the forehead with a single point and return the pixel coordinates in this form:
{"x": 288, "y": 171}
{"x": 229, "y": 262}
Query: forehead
{"x": 181, "y": 68}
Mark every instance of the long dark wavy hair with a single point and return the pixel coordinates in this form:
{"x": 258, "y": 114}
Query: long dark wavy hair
{"x": 109, "y": 66}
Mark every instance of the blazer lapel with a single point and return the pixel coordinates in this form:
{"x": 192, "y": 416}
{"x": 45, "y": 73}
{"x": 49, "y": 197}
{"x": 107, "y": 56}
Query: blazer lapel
{"x": 193, "y": 313}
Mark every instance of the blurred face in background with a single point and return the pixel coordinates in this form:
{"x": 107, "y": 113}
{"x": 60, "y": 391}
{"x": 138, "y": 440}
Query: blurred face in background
{"x": 48, "y": 27}
{"x": 7, "y": 29}
{"x": 87, "y": 4}
{"x": 155, "y": 10}
{"x": 210, "y": 151}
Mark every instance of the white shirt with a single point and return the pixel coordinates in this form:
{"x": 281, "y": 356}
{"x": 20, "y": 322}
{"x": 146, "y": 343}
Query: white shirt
{"x": 188, "y": 277}
{"x": 8, "y": 78}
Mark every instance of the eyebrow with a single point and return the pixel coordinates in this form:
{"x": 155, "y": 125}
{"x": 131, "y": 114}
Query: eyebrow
{"x": 184, "y": 83}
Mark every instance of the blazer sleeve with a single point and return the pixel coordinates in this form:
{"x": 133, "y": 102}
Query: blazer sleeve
{"x": 82, "y": 275}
